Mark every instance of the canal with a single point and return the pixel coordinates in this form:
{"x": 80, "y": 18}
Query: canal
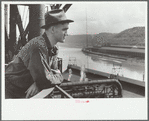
{"x": 131, "y": 69}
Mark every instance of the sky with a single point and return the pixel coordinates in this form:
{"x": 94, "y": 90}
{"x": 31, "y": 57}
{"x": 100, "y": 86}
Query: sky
{"x": 98, "y": 17}
{"x": 113, "y": 17}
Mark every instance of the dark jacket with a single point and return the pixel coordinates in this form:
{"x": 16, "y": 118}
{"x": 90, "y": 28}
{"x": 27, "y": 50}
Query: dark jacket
{"x": 28, "y": 68}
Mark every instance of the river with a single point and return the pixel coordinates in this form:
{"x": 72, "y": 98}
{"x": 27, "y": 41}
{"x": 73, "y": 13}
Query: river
{"x": 124, "y": 68}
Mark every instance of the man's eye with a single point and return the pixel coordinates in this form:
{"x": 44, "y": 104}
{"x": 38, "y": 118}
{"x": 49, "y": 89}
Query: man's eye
{"x": 64, "y": 29}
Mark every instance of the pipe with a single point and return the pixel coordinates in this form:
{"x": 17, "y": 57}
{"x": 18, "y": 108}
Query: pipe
{"x": 36, "y": 20}
{"x": 6, "y": 17}
{"x": 12, "y": 34}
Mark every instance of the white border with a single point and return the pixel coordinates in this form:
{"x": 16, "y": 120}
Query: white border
{"x": 146, "y": 55}
{"x": 99, "y": 109}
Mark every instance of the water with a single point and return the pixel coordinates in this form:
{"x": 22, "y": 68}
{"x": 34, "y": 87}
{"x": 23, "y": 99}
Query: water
{"x": 104, "y": 64}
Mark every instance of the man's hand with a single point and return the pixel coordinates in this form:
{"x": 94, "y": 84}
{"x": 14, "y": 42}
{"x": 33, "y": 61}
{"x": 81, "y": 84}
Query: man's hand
{"x": 32, "y": 90}
{"x": 56, "y": 71}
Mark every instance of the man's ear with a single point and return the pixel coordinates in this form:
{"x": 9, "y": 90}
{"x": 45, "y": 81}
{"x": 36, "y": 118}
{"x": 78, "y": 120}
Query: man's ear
{"x": 52, "y": 29}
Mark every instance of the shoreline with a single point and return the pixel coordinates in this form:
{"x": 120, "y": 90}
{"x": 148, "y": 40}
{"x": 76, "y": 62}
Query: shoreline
{"x": 130, "y": 60}
{"x": 134, "y": 60}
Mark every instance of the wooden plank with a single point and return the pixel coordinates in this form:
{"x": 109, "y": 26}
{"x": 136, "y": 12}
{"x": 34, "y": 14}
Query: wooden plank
{"x": 63, "y": 92}
{"x": 43, "y": 93}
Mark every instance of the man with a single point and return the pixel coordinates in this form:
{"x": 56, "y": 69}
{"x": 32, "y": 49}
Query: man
{"x": 26, "y": 75}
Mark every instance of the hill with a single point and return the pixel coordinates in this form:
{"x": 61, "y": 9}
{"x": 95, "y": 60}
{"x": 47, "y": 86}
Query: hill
{"x": 132, "y": 36}
{"x": 102, "y": 38}
{"x": 77, "y": 41}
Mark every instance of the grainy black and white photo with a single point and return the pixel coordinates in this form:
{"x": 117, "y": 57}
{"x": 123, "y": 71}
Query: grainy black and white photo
{"x": 79, "y": 51}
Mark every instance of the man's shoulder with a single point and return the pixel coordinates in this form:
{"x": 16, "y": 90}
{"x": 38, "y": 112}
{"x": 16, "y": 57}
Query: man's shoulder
{"x": 36, "y": 42}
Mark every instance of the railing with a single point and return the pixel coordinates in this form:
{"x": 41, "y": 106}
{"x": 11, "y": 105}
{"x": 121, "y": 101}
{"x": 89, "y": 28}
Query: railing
{"x": 109, "y": 88}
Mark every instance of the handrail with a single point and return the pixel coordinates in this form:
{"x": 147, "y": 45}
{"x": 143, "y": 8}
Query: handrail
{"x": 93, "y": 82}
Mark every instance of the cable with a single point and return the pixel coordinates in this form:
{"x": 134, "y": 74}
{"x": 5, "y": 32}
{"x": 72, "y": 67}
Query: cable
{"x": 86, "y": 36}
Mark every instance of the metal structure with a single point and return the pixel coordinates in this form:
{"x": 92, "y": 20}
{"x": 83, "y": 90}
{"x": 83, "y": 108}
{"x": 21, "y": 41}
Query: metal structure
{"x": 109, "y": 88}
{"x": 117, "y": 68}
{"x": 72, "y": 61}
{"x": 36, "y": 20}
{"x": 57, "y": 6}
{"x": 60, "y": 64}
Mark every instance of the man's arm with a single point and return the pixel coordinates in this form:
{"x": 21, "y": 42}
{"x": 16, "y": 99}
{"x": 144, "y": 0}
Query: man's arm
{"x": 41, "y": 76}
{"x": 52, "y": 74}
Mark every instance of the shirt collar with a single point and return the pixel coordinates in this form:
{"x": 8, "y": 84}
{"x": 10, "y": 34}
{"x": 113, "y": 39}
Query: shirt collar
{"x": 51, "y": 50}
{"x": 47, "y": 40}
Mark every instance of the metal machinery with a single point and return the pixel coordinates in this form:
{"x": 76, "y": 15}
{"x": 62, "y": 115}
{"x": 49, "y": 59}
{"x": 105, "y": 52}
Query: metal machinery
{"x": 110, "y": 88}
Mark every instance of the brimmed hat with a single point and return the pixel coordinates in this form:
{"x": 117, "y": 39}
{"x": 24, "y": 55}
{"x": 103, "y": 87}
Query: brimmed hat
{"x": 55, "y": 17}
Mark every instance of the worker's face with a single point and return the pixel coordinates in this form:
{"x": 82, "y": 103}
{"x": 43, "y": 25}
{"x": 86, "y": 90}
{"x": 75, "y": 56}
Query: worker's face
{"x": 60, "y": 32}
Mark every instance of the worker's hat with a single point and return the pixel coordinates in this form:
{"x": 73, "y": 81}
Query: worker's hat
{"x": 55, "y": 17}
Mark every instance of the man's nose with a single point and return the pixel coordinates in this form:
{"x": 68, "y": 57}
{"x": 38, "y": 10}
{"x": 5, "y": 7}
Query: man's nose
{"x": 66, "y": 34}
